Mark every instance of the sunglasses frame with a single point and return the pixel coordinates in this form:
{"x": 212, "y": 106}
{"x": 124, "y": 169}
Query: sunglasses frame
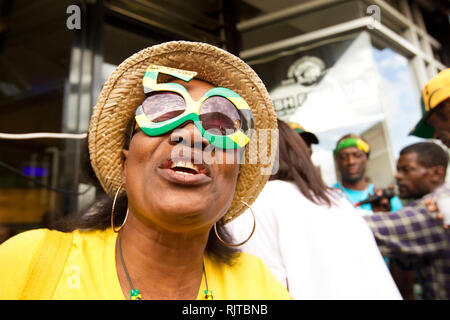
{"x": 236, "y": 140}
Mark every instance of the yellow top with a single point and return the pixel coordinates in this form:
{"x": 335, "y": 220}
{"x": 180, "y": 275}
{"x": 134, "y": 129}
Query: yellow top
{"x": 86, "y": 269}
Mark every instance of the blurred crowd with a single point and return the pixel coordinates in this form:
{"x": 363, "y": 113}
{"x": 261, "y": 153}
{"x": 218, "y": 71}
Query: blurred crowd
{"x": 407, "y": 224}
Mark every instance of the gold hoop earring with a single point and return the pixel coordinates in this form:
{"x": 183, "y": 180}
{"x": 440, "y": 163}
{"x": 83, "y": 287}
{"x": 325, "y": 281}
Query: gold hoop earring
{"x": 112, "y": 212}
{"x": 242, "y": 243}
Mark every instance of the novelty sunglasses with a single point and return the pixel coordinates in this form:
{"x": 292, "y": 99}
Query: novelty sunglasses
{"x": 221, "y": 115}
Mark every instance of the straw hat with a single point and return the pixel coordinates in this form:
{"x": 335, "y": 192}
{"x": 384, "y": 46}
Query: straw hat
{"x": 123, "y": 93}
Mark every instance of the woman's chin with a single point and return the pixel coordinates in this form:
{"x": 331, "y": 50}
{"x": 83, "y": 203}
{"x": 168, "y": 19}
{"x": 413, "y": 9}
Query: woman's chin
{"x": 183, "y": 219}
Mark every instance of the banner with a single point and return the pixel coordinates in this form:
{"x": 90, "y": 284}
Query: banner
{"x": 331, "y": 90}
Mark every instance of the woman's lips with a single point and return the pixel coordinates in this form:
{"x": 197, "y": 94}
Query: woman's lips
{"x": 184, "y": 172}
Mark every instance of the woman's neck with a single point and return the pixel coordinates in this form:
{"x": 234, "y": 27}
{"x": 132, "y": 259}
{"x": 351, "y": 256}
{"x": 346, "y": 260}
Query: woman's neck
{"x": 161, "y": 264}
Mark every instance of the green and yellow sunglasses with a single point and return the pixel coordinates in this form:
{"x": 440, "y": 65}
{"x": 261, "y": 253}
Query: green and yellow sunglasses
{"x": 221, "y": 115}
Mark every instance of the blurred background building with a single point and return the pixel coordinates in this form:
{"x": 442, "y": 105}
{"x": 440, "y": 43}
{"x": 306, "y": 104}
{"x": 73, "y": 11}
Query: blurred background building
{"x": 334, "y": 66}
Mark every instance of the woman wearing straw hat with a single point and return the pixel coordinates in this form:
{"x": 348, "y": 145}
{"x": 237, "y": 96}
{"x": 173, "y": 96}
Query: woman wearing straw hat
{"x": 162, "y": 134}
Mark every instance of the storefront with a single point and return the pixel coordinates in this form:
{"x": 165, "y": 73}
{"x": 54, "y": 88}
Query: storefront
{"x": 55, "y": 57}
{"x": 340, "y": 67}
{"x": 343, "y": 87}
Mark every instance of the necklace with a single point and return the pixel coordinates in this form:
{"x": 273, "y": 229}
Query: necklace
{"x": 208, "y": 293}
{"x": 134, "y": 293}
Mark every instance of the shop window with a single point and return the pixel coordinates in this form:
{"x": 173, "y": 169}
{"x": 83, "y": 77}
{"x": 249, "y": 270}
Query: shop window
{"x": 33, "y": 72}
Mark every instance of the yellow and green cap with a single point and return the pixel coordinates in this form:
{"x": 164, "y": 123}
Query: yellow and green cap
{"x": 311, "y": 137}
{"x": 435, "y": 91}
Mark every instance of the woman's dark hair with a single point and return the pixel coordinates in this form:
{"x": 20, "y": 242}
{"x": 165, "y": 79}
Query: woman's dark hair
{"x": 295, "y": 165}
{"x": 98, "y": 216}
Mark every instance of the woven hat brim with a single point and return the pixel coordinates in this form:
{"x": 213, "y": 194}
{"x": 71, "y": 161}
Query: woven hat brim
{"x": 123, "y": 93}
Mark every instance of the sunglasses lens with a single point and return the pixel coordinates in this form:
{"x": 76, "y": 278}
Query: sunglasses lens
{"x": 162, "y": 106}
{"x": 219, "y": 116}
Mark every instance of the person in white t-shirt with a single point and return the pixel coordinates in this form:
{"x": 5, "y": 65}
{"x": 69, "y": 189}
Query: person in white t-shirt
{"x": 310, "y": 236}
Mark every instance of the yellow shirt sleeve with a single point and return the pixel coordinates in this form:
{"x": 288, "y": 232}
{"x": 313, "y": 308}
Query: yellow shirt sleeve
{"x": 16, "y": 258}
{"x": 247, "y": 279}
{"x": 267, "y": 284}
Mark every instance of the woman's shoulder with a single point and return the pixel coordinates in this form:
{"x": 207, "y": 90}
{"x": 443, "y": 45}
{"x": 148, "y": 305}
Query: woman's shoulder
{"x": 288, "y": 189}
{"x": 24, "y": 242}
{"x": 249, "y": 278}
{"x": 260, "y": 278}
{"x": 247, "y": 262}
{"x": 31, "y": 240}
{"x": 18, "y": 254}
{"x": 25, "y": 252}
{"x": 92, "y": 235}
{"x": 285, "y": 195}
{"x": 21, "y": 249}
{"x": 281, "y": 193}
{"x": 280, "y": 186}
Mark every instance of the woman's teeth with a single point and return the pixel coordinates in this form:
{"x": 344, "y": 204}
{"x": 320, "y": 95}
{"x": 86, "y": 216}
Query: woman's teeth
{"x": 184, "y": 165}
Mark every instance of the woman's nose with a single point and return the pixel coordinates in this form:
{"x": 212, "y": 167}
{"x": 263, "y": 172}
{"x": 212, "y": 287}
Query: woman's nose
{"x": 188, "y": 135}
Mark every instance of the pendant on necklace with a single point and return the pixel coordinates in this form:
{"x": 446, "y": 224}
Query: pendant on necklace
{"x": 208, "y": 295}
{"x": 135, "y": 295}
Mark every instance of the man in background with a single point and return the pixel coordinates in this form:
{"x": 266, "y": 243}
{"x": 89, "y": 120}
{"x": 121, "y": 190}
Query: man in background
{"x": 429, "y": 239}
{"x": 435, "y": 103}
{"x": 352, "y": 155}
{"x": 413, "y": 235}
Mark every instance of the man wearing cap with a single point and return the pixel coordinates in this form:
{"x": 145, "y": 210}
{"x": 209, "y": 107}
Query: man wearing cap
{"x": 309, "y": 137}
{"x": 414, "y": 230}
{"x": 352, "y": 155}
{"x": 435, "y": 103}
